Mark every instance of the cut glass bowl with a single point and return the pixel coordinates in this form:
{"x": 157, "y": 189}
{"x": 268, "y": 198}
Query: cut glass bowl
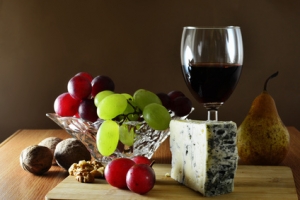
{"x": 146, "y": 141}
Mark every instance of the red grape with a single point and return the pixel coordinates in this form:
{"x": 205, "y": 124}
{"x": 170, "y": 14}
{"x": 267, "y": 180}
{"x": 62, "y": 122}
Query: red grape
{"x": 165, "y": 100}
{"x": 86, "y": 75}
{"x": 116, "y": 170}
{"x": 79, "y": 87}
{"x": 65, "y": 105}
{"x": 87, "y": 110}
{"x": 140, "y": 178}
{"x": 141, "y": 160}
{"x": 100, "y": 83}
{"x": 181, "y": 106}
{"x": 174, "y": 94}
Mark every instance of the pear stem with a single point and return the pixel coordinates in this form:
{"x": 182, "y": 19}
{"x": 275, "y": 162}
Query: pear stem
{"x": 266, "y": 82}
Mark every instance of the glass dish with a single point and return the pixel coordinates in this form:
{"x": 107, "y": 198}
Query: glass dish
{"x": 146, "y": 141}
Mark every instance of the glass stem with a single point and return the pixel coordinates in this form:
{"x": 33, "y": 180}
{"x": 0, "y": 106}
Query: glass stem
{"x": 212, "y": 110}
{"x": 212, "y": 115}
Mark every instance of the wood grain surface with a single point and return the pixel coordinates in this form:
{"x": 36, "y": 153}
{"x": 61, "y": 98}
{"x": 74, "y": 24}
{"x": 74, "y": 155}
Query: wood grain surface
{"x": 19, "y": 184}
{"x": 251, "y": 182}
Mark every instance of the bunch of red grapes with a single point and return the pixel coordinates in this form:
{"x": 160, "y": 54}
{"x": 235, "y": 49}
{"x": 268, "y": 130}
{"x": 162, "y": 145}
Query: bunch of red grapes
{"x": 83, "y": 87}
{"x": 135, "y": 174}
{"x": 79, "y": 100}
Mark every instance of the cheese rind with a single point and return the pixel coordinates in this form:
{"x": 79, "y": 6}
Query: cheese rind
{"x": 204, "y": 155}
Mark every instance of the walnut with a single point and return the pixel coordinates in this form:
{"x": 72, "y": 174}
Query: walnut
{"x": 98, "y": 173}
{"x": 84, "y": 170}
{"x": 36, "y": 159}
{"x": 70, "y": 151}
{"x": 85, "y": 177}
{"x": 97, "y": 164}
{"x": 73, "y": 169}
{"x": 81, "y": 166}
{"x": 85, "y": 165}
{"x": 51, "y": 143}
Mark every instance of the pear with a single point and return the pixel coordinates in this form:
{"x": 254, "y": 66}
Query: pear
{"x": 262, "y": 138}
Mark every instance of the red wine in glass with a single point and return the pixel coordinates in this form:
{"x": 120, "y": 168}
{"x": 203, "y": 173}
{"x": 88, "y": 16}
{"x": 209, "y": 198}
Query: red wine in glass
{"x": 212, "y": 82}
{"x": 212, "y": 59}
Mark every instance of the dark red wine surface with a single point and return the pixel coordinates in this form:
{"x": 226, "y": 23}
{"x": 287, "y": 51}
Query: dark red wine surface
{"x": 212, "y": 82}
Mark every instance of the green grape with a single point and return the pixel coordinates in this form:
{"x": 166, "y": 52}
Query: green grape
{"x": 101, "y": 95}
{"x": 127, "y": 96}
{"x": 111, "y": 106}
{"x": 131, "y": 111}
{"x": 131, "y": 108}
{"x": 144, "y": 97}
{"x": 107, "y": 137}
{"x": 157, "y": 116}
{"x": 127, "y": 134}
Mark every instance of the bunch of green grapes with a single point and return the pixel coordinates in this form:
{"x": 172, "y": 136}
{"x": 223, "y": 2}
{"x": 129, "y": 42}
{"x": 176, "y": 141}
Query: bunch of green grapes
{"x": 115, "y": 109}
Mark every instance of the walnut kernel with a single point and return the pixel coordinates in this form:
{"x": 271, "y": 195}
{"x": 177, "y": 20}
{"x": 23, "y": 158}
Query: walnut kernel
{"x": 86, "y": 171}
{"x": 85, "y": 177}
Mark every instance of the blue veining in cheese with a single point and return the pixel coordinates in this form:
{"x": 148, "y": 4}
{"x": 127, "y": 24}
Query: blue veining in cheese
{"x": 204, "y": 155}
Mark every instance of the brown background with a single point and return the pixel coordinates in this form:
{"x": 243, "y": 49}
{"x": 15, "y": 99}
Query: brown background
{"x": 44, "y": 43}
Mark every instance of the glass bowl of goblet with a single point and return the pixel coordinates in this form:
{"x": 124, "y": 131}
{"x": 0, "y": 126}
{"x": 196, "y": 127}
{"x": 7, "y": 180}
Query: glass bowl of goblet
{"x": 146, "y": 140}
{"x": 212, "y": 60}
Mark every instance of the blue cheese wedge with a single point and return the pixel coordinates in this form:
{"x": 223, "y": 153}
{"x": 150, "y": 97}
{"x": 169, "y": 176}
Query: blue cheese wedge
{"x": 204, "y": 155}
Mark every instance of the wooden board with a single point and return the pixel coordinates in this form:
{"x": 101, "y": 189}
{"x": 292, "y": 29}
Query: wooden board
{"x": 251, "y": 182}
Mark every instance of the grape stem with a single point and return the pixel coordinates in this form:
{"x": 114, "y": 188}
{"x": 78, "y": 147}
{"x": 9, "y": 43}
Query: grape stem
{"x": 135, "y": 108}
{"x": 125, "y": 116}
{"x": 152, "y": 163}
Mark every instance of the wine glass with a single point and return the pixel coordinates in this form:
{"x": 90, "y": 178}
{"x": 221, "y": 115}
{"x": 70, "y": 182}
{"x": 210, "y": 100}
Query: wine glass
{"x": 212, "y": 59}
